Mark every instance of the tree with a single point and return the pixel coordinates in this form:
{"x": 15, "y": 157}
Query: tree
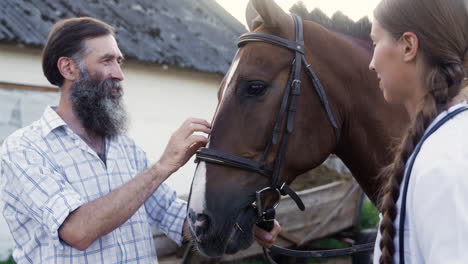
{"x": 300, "y": 9}
{"x": 318, "y": 16}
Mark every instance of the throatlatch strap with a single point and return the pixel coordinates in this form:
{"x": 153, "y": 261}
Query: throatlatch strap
{"x": 285, "y": 189}
{"x": 323, "y": 97}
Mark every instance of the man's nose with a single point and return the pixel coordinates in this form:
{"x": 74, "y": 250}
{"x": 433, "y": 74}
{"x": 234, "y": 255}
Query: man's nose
{"x": 117, "y": 73}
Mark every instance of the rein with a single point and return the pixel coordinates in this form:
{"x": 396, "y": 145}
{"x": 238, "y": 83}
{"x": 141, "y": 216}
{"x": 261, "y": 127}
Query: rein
{"x": 287, "y": 110}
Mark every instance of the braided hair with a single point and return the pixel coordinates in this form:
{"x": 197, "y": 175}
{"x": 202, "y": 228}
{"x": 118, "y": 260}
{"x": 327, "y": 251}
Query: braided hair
{"x": 441, "y": 27}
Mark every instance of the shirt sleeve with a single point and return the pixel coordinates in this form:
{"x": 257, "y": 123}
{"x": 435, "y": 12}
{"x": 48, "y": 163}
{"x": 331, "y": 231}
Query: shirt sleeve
{"x": 441, "y": 211}
{"x": 33, "y": 187}
{"x": 167, "y": 212}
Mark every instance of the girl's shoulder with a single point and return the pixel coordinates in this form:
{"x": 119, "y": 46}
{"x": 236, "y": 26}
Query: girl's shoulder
{"x": 448, "y": 146}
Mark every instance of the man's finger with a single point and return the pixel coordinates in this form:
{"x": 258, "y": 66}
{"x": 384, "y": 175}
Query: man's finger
{"x": 197, "y": 121}
{"x": 264, "y": 244}
{"x": 276, "y": 228}
{"x": 192, "y": 127}
{"x": 263, "y": 235}
{"x": 194, "y": 147}
{"x": 196, "y": 140}
{"x": 267, "y": 239}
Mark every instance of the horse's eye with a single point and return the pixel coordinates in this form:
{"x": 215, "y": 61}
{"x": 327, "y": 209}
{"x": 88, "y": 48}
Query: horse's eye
{"x": 255, "y": 88}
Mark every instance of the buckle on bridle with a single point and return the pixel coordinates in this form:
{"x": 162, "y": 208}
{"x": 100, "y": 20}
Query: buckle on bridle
{"x": 281, "y": 189}
{"x": 259, "y": 202}
{"x": 296, "y": 87}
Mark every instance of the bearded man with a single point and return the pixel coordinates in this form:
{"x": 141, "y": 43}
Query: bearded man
{"x": 75, "y": 188}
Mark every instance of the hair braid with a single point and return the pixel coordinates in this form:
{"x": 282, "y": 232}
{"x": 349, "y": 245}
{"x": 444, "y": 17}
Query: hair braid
{"x": 445, "y": 83}
{"x": 441, "y": 27}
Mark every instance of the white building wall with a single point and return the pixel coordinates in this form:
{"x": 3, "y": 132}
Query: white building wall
{"x": 21, "y": 65}
{"x": 159, "y": 101}
{"x": 158, "y": 98}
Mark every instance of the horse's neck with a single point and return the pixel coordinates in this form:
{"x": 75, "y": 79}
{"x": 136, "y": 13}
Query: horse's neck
{"x": 370, "y": 125}
{"x": 366, "y": 145}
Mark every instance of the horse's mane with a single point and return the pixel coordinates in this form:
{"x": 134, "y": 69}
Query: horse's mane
{"x": 339, "y": 22}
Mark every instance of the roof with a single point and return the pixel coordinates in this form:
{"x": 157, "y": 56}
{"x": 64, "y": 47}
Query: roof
{"x": 185, "y": 33}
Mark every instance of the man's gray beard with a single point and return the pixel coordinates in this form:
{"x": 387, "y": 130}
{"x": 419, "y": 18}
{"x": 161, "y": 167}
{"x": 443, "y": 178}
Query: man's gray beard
{"x": 99, "y": 109}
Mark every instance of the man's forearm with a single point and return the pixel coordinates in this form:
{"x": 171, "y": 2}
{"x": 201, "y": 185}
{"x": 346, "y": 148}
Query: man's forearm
{"x": 101, "y": 216}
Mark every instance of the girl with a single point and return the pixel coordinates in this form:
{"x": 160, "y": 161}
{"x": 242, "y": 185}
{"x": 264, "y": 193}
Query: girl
{"x": 421, "y": 60}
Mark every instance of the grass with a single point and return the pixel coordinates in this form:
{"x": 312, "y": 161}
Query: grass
{"x": 369, "y": 216}
{"x": 8, "y": 261}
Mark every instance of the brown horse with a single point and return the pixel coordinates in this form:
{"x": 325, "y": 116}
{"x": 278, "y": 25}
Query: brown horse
{"x": 221, "y": 218}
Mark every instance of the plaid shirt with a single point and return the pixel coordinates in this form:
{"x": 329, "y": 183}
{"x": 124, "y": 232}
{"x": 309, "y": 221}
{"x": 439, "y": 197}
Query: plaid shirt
{"x": 47, "y": 171}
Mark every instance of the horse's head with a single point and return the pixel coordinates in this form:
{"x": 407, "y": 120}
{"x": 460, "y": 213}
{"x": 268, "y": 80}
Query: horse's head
{"x": 221, "y": 217}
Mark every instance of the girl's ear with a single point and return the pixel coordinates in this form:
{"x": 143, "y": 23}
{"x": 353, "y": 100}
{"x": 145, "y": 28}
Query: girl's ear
{"x": 409, "y": 46}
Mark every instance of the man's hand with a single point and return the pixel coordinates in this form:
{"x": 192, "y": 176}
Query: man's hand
{"x": 267, "y": 239}
{"x": 184, "y": 143}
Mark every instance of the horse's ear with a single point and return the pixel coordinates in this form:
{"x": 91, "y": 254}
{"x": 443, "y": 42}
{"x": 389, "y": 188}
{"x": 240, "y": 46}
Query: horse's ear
{"x": 265, "y": 12}
{"x": 252, "y": 17}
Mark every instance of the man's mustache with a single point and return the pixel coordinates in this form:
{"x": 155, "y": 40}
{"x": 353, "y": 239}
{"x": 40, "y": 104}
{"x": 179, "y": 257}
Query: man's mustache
{"x": 112, "y": 88}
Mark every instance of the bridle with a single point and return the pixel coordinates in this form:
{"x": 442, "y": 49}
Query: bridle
{"x": 287, "y": 110}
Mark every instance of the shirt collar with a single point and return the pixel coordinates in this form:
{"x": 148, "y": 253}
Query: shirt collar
{"x": 446, "y": 112}
{"x": 51, "y": 120}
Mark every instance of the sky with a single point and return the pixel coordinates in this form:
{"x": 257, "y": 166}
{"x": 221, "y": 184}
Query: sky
{"x": 354, "y": 9}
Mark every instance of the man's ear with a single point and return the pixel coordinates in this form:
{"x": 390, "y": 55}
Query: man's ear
{"x": 68, "y": 68}
{"x": 409, "y": 46}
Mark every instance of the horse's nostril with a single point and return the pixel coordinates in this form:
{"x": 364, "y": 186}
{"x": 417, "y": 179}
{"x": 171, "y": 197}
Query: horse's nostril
{"x": 203, "y": 222}
{"x": 202, "y": 217}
